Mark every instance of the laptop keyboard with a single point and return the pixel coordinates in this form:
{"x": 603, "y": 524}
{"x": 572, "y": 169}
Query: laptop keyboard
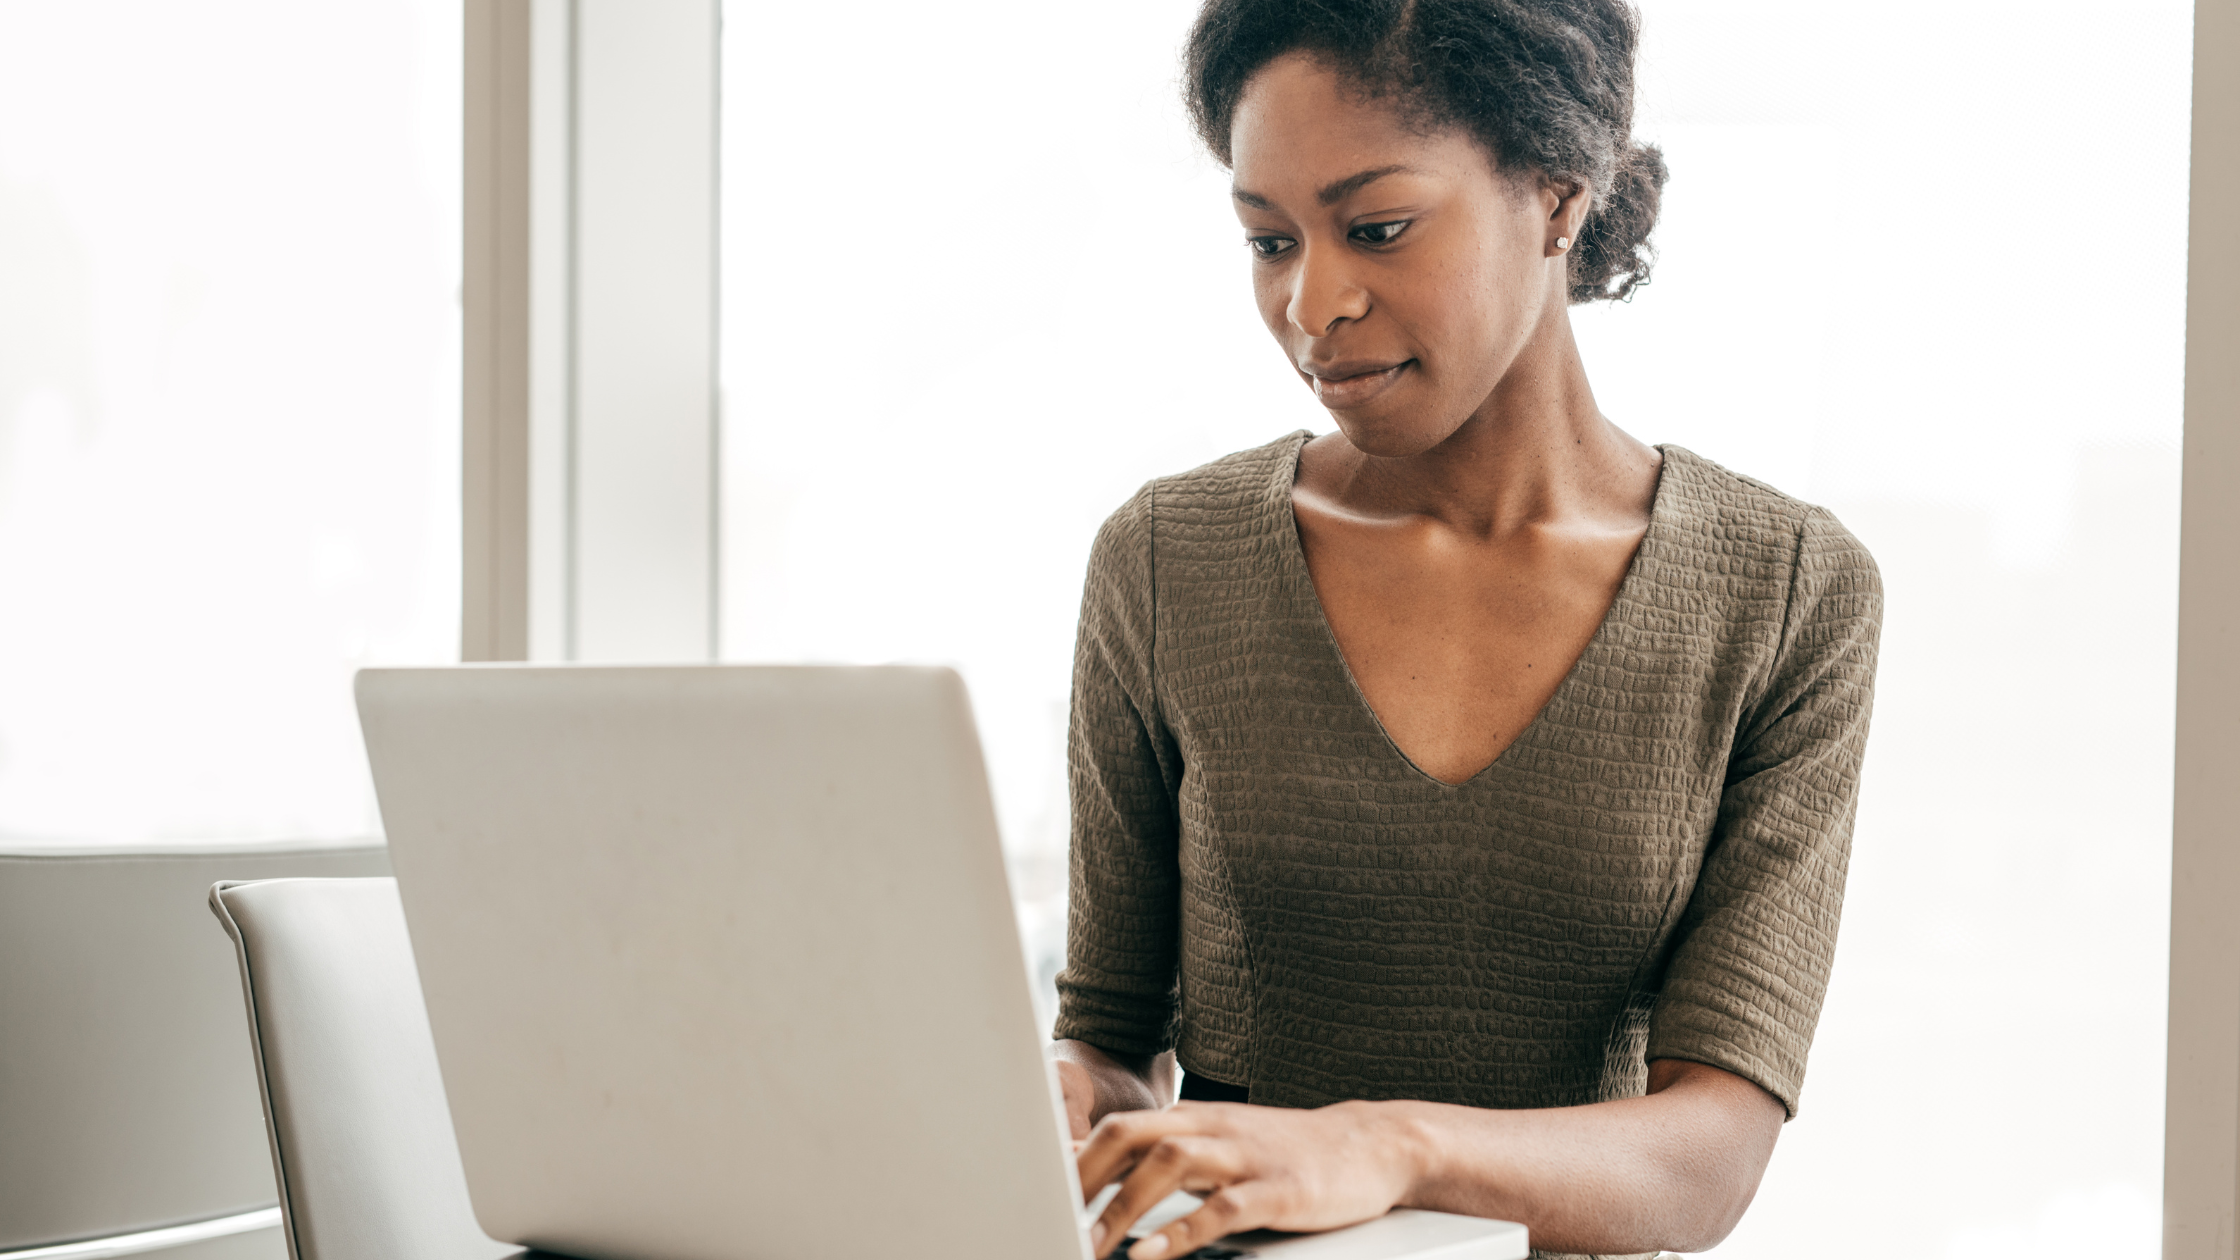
{"x": 1212, "y": 1251}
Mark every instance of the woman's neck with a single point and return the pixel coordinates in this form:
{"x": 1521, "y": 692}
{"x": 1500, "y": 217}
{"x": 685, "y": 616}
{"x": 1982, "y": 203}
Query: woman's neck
{"x": 1537, "y": 451}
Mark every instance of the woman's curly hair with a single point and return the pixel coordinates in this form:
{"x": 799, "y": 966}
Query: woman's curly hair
{"x": 1544, "y": 85}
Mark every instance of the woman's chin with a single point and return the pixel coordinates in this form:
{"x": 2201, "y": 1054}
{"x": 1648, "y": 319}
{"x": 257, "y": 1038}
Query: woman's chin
{"x": 1390, "y": 437}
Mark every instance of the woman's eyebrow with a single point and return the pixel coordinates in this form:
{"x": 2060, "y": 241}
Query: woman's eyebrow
{"x": 1331, "y": 194}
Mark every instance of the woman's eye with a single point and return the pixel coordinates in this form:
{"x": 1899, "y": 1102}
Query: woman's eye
{"x": 1380, "y": 233}
{"x": 1268, "y": 246}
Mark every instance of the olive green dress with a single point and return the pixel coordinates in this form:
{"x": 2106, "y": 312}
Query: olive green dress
{"x": 1264, "y": 883}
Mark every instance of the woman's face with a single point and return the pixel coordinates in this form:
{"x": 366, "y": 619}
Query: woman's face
{"x": 1402, "y": 276}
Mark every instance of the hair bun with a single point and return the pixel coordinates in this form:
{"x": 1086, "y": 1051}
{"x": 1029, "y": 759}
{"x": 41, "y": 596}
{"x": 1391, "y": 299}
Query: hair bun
{"x": 1614, "y": 255}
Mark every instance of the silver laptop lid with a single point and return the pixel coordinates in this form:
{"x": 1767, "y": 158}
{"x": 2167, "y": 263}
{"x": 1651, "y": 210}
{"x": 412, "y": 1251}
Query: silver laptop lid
{"x": 720, "y": 961}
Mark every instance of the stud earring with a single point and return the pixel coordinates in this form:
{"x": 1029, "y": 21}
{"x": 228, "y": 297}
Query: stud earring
{"x": 1562, "y": 243}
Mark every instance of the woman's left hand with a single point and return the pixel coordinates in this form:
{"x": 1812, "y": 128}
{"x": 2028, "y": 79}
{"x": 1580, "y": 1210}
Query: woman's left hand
{"x": 1257, "y": 1168}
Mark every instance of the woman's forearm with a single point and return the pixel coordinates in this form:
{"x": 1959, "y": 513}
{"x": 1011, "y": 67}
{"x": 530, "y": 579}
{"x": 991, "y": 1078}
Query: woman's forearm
{"x": 1672, "y": 1169}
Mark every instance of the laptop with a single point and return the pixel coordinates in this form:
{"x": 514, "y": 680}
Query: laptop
{"x": 721, "y": 963}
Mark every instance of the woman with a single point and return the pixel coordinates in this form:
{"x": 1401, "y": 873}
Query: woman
{"x": 1463, "y": 798}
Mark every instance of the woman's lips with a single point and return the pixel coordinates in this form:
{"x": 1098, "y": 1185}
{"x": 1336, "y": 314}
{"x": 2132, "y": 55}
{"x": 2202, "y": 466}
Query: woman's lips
{"x": 1340, "y": 392}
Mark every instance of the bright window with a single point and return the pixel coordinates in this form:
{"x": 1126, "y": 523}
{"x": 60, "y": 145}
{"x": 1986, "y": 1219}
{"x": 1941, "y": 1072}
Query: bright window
{"x": 229, "y": 268}
{"x": 1923, "y": 263}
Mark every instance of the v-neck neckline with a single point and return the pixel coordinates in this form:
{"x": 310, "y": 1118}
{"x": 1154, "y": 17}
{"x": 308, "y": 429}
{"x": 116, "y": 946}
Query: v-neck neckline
{"x": 1300, "y": 580}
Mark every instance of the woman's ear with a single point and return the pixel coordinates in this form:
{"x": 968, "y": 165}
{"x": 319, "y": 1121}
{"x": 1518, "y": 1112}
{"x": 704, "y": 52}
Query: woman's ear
{"x": 1567, "y": 202}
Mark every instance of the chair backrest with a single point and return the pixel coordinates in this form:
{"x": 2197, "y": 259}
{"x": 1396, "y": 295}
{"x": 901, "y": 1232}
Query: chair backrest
{"x": 128, "y": 1097}
{"x": 361, "y": 1134}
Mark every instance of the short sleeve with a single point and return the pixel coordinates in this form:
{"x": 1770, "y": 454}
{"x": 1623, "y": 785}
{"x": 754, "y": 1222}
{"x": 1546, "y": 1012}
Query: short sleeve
{"x": 1123, "y": 933}
{"x": 1745, "y": 982}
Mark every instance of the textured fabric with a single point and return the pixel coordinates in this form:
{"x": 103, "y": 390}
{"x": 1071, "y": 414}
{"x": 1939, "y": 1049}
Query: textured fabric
{"x": 1654, "y": 869}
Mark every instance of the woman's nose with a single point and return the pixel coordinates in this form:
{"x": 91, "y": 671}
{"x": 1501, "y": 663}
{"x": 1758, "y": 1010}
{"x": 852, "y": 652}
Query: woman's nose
{"x": 1323, "y": 292}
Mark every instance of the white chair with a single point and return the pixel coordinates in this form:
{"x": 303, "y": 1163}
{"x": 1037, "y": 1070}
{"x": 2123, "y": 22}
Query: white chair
{"x": 361, "y": 1135}
{"x": 128, "y": 1101}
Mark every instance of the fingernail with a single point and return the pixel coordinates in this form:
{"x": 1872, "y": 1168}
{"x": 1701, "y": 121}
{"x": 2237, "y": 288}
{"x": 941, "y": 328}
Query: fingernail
{"x": 1096, "y": 1234}
{"x": 1149, "y": 1248}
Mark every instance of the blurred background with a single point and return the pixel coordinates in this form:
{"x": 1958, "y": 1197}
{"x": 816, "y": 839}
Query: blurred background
{"x": 1921, "y": 263}
{"x": 229, "y": 405}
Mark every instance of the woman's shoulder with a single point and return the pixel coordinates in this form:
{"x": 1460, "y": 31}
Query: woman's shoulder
{"x": 1249, "y": 478}
{"x": 1238, "y": 489}
{"x": 1731, "y": 517}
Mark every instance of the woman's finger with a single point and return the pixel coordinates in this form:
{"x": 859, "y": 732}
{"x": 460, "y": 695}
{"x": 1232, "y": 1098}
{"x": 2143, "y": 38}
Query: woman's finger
{"x": 1231, "y": 1210}
{"x": 1119, "y": 1140}
{"x": 1160, "y": 1171}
